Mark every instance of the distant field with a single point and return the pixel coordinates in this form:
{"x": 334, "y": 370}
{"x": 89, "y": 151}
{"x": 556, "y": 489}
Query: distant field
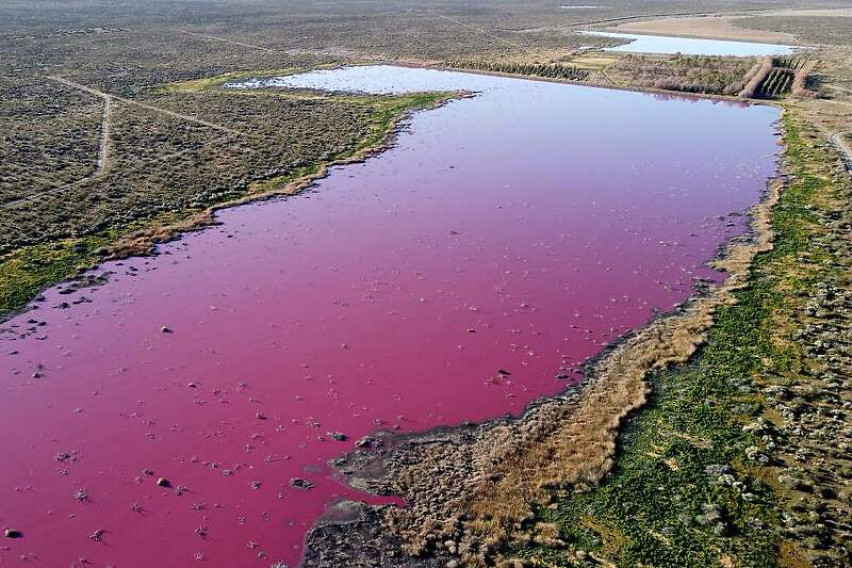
{"x": 826, "y": 30}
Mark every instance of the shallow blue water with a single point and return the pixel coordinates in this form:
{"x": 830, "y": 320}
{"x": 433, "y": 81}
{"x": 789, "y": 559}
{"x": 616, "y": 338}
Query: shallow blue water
{"x": 640, "y": 43}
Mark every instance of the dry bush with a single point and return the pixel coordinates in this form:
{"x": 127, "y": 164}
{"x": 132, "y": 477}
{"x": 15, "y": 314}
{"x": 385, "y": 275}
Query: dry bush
{"x": 48, "y": 136}
{"x": 165, "y": 164}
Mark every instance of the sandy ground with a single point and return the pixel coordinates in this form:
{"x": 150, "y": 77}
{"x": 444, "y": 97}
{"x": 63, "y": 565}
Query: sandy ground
{"x": 723, "y": 26}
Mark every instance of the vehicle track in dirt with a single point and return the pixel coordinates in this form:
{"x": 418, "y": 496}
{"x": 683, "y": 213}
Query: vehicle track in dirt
{"x": 103, "y": 161}
{"x": 482, "y": 31}
{"x": 161, "y": 110}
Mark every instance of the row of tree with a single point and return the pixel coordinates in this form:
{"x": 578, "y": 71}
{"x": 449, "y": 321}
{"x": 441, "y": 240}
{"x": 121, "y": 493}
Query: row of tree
{"x": 547, "y": 70}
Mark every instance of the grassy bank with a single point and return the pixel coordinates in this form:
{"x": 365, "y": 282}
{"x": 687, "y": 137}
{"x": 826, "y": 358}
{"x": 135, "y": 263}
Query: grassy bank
{"x": 703, "y": 475}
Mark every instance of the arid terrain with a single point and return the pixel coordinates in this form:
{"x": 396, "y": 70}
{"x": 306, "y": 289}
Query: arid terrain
{"x": 719, "y": 434}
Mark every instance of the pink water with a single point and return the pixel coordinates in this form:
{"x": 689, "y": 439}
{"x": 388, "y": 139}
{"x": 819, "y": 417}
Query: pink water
{"x": 520, "y": 230}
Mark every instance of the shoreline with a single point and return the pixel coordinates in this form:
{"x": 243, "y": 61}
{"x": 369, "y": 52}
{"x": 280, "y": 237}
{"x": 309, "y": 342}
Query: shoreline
{"x": 589, "y": 84}
{"x": 621, "y": 24}
{"x": 333, "y": 381}
{"x": 144, "y": 241}
{"x": 140, "y": 242}
{"x": 547, "y": 422}
{"x": 485, "y": 479}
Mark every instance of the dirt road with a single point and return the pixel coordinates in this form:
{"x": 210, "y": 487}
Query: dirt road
{"x": 103, "y": 161}
{"x": 167, "y": 112}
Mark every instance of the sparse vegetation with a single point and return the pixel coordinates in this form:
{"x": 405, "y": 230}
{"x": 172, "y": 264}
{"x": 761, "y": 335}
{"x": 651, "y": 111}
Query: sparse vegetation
{"x": 828, "y": 30}
{"x": 50, "y": 137}
{"x": 173, "y": 150}
{"x": 162, "y": 163}
{"x": 165, "y": 169}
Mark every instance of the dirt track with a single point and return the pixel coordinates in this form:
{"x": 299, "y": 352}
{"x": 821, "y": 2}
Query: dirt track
{"x": 103, "y": 152}
{"x": 148, "y": 107}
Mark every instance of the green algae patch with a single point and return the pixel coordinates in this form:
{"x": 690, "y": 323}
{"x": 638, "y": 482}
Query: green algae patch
{"x": 387, "y": 110}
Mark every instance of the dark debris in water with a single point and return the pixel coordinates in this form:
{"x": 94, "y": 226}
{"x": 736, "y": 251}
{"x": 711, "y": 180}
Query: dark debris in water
{"x": 300, "y": 483}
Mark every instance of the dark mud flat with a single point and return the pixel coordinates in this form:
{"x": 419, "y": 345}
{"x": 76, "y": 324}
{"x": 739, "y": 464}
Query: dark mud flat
{"x": 457, "y": 277}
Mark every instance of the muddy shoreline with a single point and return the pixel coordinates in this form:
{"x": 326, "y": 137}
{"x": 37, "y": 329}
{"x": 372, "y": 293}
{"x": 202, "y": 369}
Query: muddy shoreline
{"x": 471, "y": 488}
